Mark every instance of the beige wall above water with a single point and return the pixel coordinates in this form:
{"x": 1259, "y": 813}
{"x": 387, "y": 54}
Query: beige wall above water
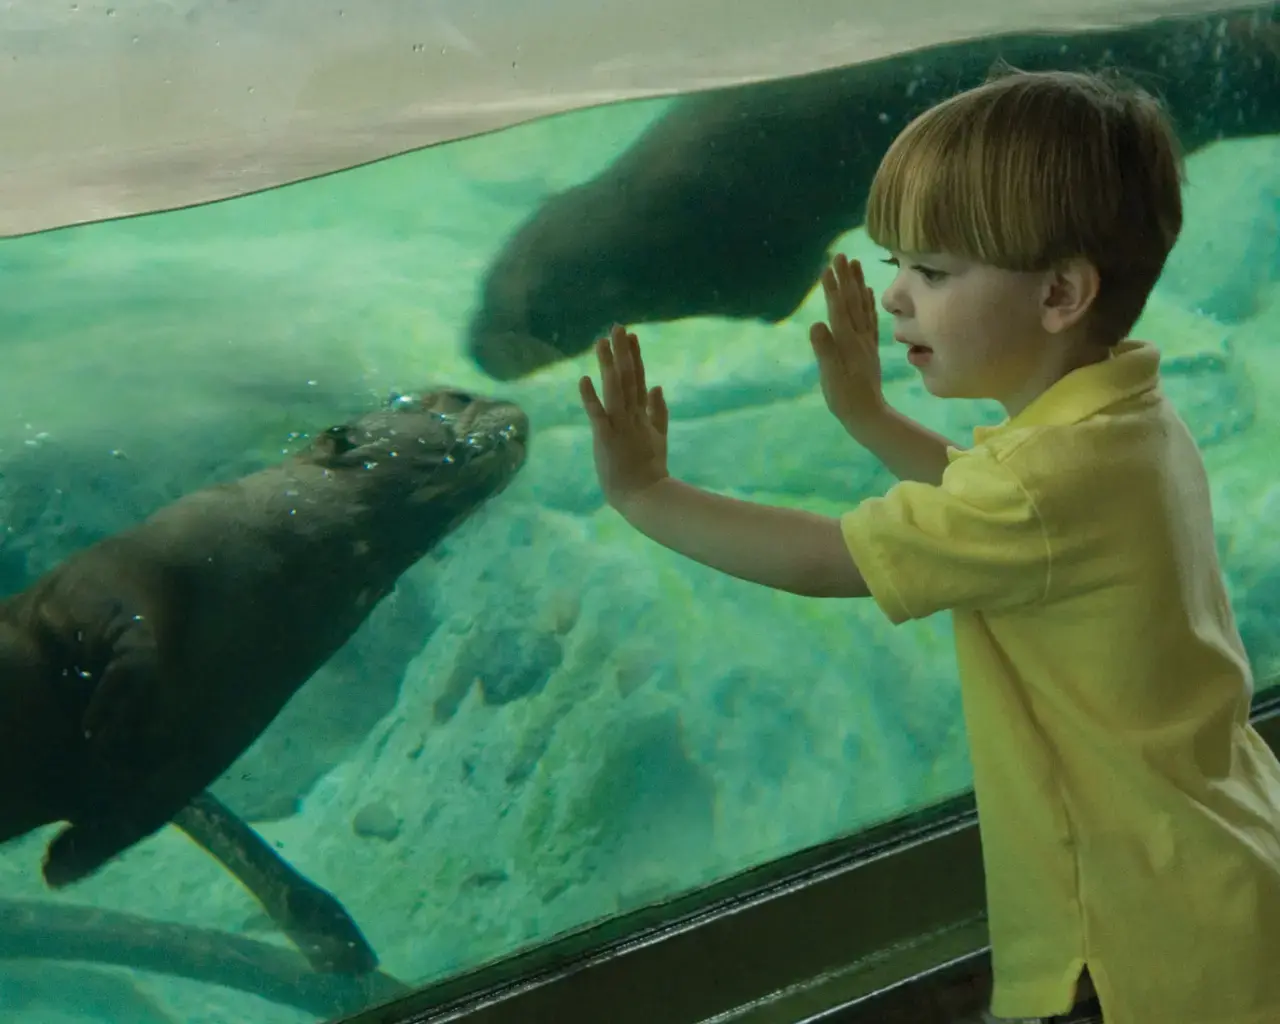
{"x": 126, "y": 106}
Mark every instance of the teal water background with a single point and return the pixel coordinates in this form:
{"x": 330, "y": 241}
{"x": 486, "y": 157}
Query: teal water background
{"x": 553, "y": 720}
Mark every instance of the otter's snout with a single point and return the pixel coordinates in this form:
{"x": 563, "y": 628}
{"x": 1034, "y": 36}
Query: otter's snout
{"x": 510, "y": 355}
{"x": 472, "y": 424}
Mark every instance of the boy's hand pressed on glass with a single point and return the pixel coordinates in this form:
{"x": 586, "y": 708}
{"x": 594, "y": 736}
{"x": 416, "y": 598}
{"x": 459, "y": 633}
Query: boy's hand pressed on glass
{"x": 630, "y": 426}
{"x": 787, "y": 549}
{"x": 848, "y": 353}
{"x": 848, "y": 348}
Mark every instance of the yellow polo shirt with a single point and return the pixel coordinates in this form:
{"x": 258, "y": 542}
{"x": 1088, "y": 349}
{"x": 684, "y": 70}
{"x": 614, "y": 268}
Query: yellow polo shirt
{"x": 1129, "y": 814}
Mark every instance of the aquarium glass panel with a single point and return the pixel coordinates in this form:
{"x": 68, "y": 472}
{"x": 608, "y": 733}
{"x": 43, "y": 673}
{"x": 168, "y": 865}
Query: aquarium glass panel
{"x": 453, "y": 706}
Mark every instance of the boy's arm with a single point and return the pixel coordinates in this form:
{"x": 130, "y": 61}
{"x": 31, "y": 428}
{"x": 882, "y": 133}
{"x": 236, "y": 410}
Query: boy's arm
{"x": 909, "y": 450}
{"x": 787, "y": 549}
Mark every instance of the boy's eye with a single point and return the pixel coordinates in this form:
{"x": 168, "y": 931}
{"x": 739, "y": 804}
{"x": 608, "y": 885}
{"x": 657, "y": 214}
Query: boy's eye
{"x": 928, "y": 273}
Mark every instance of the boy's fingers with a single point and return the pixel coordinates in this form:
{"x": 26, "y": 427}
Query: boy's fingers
{"x": 591, "y": 402}
{"x": 824, "y": 345}
{"x": 837, "y": 314}
{"x": 624, "y": 362}
{"x": 852, "y": 307}
{"x": 831, "y": 279}
{"x": 609, "y": 380}
{"x": 659, "y": 414}
{"x": 851, "y": 293}
{"x": 829, "y": 286}
{"x": 869, "y": 306}
{"x": 845, "y": 271}
{"x": 641, "y": 392}
{"x": 863, "y": 309}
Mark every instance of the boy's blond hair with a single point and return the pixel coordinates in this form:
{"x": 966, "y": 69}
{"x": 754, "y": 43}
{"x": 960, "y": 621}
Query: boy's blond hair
{"x": 1032, "y": 168}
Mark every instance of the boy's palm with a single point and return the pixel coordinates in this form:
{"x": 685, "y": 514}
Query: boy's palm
{"x": 848, "y": 350}
{"x": 629, "y": 427}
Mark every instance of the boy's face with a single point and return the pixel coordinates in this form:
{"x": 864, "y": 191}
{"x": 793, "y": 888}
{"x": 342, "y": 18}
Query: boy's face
{"x": 973, "y": 331}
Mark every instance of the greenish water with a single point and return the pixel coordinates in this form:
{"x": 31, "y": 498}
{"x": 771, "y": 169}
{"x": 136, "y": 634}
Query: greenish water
{"x": 551, "y": 721}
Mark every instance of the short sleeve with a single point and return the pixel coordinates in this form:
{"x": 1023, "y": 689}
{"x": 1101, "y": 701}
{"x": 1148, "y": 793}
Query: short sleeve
{"x": 974, "y": 542}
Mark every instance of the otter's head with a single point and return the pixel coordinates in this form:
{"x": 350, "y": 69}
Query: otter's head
{"x": 447, "y": 448}
{"x": 560, "y": 282}
{"x": 529, "y": 319}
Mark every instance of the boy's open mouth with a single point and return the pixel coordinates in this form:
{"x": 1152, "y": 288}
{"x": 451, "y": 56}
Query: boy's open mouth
{"x": 918, "y": 354}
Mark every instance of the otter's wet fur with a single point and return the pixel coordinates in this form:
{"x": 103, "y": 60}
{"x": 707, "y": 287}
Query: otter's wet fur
{"x": 728, "y": 204}
{"x": 138, "y": 670}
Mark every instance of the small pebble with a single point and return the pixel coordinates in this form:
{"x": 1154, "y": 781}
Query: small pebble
{"x": 376, "y": 821}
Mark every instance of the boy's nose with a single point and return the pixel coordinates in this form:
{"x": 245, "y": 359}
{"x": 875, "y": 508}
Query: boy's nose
{"x": 893, "y": 301}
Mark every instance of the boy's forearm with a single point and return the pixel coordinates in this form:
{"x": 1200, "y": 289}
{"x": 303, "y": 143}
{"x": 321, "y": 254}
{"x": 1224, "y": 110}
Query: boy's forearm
{"x": 786, "y": 549}
{"x": 909, "y": 450}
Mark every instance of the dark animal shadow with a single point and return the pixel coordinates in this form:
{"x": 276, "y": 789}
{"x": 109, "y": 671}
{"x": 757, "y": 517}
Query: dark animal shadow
{"x": 310, "y": 916}
{"x": 62, "y": 932}
{"x": 728, "y": 204}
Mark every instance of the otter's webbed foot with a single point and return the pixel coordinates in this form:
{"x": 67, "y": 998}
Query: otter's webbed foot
{"x": 80, "y": 850}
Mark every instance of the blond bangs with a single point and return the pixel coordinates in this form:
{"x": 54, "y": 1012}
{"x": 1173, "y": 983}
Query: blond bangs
{"x": 1031, "y": 169}
{"x": 954, "y": 183}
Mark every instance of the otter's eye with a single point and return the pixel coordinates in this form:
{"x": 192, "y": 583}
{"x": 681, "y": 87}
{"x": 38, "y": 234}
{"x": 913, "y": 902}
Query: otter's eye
{"x": 461, "y": 397}
{"x": 395, "y": 400}
{"x": 340, "y": 438}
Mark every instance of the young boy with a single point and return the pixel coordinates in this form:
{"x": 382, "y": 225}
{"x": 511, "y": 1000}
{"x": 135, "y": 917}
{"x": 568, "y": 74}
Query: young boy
{"x": 1129, "y": 813}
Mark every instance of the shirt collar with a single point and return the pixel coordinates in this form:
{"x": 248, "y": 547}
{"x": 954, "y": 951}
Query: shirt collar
{"x": 1132, "y": 368}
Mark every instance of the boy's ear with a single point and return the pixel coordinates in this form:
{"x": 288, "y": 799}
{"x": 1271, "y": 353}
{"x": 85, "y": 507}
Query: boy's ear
{"x": 1070, "y": 289}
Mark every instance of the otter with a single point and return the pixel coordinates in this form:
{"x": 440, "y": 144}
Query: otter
{"x": 134, "y": 673}
{"x": 728, "y": 203}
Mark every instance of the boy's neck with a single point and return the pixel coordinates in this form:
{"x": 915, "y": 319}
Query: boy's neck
{"x": 1061, "y": 357}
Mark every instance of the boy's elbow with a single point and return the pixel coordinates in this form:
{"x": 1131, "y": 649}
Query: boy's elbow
{"x": 846, "y": 586}
{"x": 840, "y": 578}
{"x": 827, "y": 566}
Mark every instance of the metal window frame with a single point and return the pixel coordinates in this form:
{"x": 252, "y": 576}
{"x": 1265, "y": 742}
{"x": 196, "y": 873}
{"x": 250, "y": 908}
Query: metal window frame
{"x": 837, "y": 933}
